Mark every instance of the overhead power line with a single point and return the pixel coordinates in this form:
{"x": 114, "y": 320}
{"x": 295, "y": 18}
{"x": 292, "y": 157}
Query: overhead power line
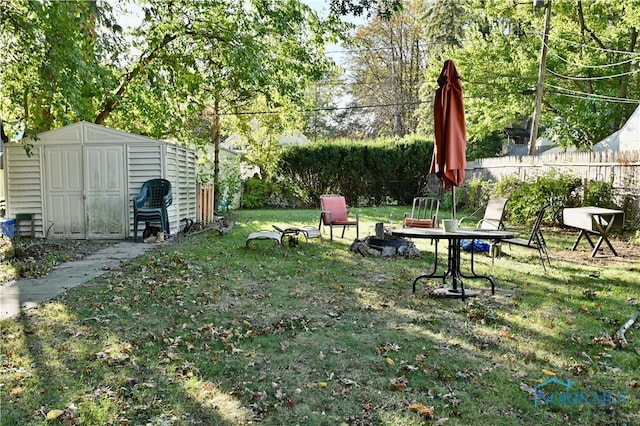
{"x": 330, "y": 108}
{"x": 599, "y": 49}
{"x": 600, "y": 77}
{"x": 576, "y": 64}
{"x": 591, "y": 96}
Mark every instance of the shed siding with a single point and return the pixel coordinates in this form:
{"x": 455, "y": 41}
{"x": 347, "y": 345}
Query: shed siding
{"x": 24, "y": 188}
{"x": 181, "y": 171}
{"x": 144, "y": 162}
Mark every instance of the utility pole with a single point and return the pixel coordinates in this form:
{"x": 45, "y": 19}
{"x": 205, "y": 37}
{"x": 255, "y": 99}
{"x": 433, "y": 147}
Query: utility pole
{"x": 541, "y": 71}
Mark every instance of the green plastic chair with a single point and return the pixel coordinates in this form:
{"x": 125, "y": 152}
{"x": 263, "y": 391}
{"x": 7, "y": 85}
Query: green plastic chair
{"x": 151, "y": 204}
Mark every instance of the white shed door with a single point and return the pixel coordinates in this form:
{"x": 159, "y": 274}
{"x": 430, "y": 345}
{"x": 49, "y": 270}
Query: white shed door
{"x": 106, "y": 203}
{"x": 64, "y": 192}
{"x": 85, "y": 192}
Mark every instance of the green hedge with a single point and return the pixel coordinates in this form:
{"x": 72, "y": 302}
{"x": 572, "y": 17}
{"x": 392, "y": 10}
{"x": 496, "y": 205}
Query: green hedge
{"x": 366, "y": 173}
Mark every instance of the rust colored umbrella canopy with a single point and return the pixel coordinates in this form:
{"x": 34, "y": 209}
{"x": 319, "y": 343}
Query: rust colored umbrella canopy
{"x": 449, "y": 153}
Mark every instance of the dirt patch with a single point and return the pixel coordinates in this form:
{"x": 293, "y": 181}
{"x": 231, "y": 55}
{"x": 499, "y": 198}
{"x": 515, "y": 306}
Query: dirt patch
{"x": 628, "y": 252}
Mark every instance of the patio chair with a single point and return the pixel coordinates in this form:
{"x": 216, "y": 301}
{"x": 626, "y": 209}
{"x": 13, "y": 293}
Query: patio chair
{"x": 492, "y": 219}
{"x": 151, "y": 204}
{"x": 536, "y": 239}
{"x": 493, "y": 214}
{"x": 334, "y": 213}
{"x": 308, "y": 231}
{"x": 424, "y": 213}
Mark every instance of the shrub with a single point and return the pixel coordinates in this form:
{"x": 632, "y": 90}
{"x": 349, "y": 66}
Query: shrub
{"x": 230, "y": 185}
{"x": 256, "y": 193}
{"x": 365, "y": 172}
{"x": 559, "y": 190}
{"x": 601, "y": 194}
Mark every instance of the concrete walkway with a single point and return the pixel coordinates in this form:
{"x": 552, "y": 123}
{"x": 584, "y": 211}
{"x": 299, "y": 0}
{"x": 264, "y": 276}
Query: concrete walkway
{"x": 24, "y": 293}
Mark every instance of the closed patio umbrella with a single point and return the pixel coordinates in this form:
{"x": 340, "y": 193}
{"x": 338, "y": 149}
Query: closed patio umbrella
{"x": 449, "y": 153}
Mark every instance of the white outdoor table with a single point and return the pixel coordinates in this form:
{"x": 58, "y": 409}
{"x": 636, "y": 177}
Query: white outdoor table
{"x": 593, "y": 220}
{"x": 453, "y": 258}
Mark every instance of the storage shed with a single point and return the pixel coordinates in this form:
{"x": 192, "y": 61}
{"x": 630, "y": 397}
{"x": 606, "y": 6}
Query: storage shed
{"x": 79, "y": 180}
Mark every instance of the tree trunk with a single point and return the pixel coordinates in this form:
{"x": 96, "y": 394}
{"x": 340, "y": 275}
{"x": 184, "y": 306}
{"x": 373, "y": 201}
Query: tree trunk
{"x": 216, "y": 154}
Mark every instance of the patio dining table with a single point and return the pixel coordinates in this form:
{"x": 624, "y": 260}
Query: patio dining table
{"x": 454, "y": 260}
{"x": 593, "y": 220}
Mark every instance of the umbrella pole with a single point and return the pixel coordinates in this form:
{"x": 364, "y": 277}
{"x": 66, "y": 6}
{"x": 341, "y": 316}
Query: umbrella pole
{"x": 453, "y": 202}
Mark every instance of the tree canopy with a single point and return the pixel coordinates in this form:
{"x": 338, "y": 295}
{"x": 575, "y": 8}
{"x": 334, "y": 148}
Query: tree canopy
{"x": 186, "y": 67}
{"x": 69, "y": 61}
{"x": 591, "y": 71}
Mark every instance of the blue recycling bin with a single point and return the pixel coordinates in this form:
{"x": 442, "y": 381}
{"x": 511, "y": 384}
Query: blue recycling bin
{"x": 7, "y": 227}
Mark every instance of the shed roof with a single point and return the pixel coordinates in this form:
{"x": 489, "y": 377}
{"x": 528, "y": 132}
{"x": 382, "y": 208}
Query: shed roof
{"x": 96, "y": 133}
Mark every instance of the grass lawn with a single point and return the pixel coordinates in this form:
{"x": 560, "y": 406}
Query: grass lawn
{"x": 205, "y": 331}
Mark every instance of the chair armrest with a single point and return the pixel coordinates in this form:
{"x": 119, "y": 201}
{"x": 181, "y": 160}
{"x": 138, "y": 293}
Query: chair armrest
{"x": 498, "y": 226}
{"x": 469, "y": 216}
{"x": 139, "y": 200}
{"x": 326, "y": 216}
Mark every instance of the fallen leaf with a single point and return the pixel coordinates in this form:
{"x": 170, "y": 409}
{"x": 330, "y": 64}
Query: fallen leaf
{"x": 390, "y": 361}
{"x": 173, "y": 356}
{"x": 16, "y": 391}
{"x": 426, "y": 412}
{"x": 323, "y": 384}
{"x": 525, "y": 387}
{"x": 548, "y": 372}
{"x": 54, "y": 414}
{"x": 505, "y": 333}
{"x": 398, "y": 384}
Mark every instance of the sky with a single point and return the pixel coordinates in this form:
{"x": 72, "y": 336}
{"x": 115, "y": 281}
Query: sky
{"x": 335, "y": 51}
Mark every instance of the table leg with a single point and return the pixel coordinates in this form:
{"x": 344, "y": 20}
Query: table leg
{"x": 454, "y": 266}
{"x": 454, "y": 270}
{"x": 604, "y": 234}
{"x": 581, "y": 234}
{"x": 474, "y": 275}
{"x": 431, "y": 274}
{"x": 606, "y": 240}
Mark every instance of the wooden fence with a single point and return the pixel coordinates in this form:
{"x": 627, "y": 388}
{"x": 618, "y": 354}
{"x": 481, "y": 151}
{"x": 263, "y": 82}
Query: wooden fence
{"x": 204, "y": 204}
{"x": 621, "y": 169}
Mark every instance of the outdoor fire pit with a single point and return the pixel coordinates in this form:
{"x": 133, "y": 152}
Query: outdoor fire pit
{"x": 387, "y": 247}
